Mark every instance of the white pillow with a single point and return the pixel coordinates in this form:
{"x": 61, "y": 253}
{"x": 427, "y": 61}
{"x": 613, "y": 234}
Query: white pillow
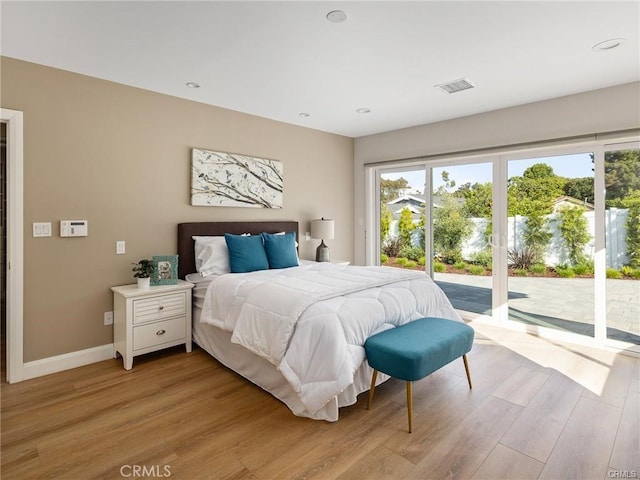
{"x": 212, "y": 256}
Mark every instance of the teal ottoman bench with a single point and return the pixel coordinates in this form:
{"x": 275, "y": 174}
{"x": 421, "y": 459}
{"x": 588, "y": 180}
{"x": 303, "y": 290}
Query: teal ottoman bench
{"x": 414, "y": 350}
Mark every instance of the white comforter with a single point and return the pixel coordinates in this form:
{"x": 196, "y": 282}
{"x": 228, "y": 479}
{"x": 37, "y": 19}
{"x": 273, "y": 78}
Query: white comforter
{"x": 312, "y": 321}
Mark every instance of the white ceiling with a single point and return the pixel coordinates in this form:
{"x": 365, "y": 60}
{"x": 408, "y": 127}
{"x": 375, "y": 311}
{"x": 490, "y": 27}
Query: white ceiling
{"x": 278, "y": 59}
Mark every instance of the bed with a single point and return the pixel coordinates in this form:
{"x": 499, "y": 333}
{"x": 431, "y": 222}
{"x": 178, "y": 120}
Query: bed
{"x": 296, "y": 331}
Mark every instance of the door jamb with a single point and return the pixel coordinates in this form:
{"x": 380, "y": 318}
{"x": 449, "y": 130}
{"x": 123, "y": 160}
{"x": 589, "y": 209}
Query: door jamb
{"x": 15, "y": 246}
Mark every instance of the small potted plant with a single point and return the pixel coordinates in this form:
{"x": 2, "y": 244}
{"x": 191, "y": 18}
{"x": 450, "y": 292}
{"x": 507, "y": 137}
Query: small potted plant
{"x": 143, "y": 271}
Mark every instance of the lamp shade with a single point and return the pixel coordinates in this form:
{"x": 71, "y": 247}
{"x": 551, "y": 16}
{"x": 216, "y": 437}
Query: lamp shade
{"x": 322, "y": 228}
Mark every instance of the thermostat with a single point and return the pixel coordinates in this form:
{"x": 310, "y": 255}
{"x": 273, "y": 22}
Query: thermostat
{"x": 74, "y": 228}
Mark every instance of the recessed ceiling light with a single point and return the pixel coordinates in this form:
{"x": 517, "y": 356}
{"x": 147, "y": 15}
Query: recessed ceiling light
{"x": 336, "y": 16}
{"x": 193, "y": 85}
{"x": 303, "y": 114}
{"x": 363, "y": 110}
{"x": 607, "y": 45}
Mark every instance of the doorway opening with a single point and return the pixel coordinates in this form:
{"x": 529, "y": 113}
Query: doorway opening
{"x": 12, "y": 245}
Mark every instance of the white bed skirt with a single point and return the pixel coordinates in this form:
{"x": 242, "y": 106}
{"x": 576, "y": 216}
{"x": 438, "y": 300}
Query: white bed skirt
{"x": 265, "y": 375}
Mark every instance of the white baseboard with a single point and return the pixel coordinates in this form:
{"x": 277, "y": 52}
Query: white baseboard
{"x": 46, "y": 366}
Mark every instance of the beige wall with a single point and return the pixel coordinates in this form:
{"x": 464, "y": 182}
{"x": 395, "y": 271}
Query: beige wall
{"x": 606, "y": 110}
{"x": 120, "y": 157}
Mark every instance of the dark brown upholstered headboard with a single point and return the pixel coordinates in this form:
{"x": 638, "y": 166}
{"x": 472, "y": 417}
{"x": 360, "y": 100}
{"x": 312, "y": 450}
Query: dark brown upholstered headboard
{"x": 187, "y": 260}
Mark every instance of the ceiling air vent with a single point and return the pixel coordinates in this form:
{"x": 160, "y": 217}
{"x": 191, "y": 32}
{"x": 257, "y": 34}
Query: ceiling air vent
{"x": 456, "y": 86}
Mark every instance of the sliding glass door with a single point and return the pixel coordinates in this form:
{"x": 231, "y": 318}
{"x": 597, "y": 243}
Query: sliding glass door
{"x": 621, "y": 218}
{"x": 528, "y": 240}
{"x": 460, "y": 226}
{"x": 550, "y": 233}
{"x": 401, "y": 227}
{"x": 444, "y": 229}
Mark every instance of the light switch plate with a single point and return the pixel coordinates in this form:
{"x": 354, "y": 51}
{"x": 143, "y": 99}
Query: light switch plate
{"x": 120, "y": 247}
{"x": 41, "y": 229}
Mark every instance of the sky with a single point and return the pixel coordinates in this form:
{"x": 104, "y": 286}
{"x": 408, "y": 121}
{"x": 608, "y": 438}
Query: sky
{"x": 570, "y": 166}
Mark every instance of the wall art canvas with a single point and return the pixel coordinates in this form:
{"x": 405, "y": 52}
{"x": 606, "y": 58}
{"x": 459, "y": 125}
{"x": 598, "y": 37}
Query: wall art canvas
{"x": 221, "y": 179}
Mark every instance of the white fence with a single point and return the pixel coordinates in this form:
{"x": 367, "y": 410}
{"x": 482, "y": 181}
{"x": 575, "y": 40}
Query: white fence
{"x": 556, "y": 254}
{"x": 615, "y": 234}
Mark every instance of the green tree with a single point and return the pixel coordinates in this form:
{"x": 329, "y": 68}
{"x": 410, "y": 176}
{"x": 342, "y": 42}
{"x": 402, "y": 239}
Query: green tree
{"x": 534, "y": 191}
{"x": 573, "y": 228}
{"x": 420, "y": 227}
{"x": 580, "y": 188}
{"x": 632, "y": 225}
{"x": 622, "y": 180}
{"x": 389, "y": 190}
{"x": 386, "y": 217}
{"x": 539, "y": 171}
{"x": 633, "y": 230}
{"x": 405, "y": 227}
{"x": 537, "y": 235}
{"x": 450, "y": 224}
{"x": 478, "y": 199}
{"x": 621, "y": 173}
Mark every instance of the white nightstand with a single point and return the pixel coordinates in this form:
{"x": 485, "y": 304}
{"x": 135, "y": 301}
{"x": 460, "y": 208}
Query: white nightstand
{"x": 148, "y": 320}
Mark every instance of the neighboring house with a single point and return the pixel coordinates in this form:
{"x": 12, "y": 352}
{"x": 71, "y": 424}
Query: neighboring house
{"x": 566, "y": 201}
{"x": 414, "y": 202}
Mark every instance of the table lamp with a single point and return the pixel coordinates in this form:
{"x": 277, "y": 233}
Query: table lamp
{"x": 322, "y": 229}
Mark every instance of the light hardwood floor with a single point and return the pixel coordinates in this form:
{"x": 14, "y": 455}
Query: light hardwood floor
{"x": 538, "y": 410}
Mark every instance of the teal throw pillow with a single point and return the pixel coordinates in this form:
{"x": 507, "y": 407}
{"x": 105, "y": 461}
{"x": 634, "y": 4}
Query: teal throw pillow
{"x": 281, "y": 249}
{"x": 246, "y": 253}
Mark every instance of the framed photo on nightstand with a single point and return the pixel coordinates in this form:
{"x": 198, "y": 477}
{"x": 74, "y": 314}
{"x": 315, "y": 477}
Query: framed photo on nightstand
{"x": 166, "y": 270}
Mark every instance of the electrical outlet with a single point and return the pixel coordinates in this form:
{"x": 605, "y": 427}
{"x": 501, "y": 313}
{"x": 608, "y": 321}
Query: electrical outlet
{"x": 108, "y": 318}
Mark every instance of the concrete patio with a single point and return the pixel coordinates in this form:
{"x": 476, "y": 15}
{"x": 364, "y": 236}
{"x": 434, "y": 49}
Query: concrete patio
{"x": 561, "y": 303}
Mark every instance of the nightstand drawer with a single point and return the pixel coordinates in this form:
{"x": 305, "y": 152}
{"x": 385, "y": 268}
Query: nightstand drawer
{"x": 158, "y": 333}
{"x": 157, "y": 308}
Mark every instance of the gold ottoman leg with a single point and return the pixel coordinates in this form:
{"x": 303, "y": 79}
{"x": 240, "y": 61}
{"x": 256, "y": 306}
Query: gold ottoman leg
{"x": 466, "y": 369}
{"x": 373, "y": 386}
{"x": 409, "y": 405}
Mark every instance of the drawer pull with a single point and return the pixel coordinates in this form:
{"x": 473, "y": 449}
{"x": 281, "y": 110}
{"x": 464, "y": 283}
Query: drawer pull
{"x": 161, "y": 307}
{"x": 161, "y": 332}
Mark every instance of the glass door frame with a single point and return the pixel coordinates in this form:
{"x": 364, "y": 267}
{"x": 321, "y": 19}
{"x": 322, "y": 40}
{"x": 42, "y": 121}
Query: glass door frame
{"x": 429, "y": 167}
{"x": 372, "y": 207}
{"x": 500, "y": 159}
{"x": 601, "y": 300}
{"x": 373, "y": 211}
{"x": 599, "y": 314}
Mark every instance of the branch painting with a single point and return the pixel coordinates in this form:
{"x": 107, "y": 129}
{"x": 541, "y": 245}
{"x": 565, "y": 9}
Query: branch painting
{"x": 221, "y": 179}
